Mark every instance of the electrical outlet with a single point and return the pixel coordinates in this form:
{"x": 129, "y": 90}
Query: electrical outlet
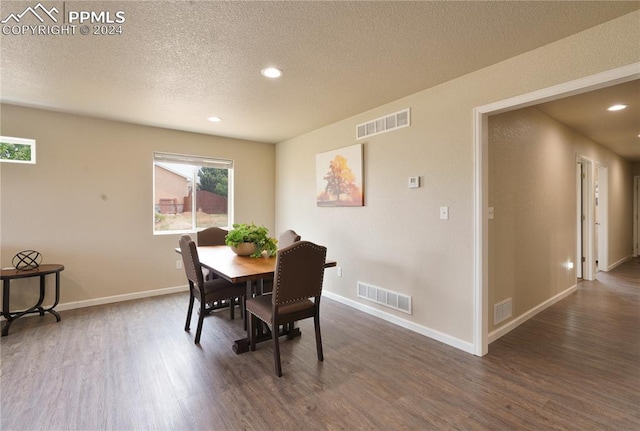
{"x": 178, "y": 264}
{"x": 339, "y": 271}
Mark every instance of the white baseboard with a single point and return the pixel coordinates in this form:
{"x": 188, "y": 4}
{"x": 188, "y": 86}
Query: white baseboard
{"x": 422, "y": 330}
{"x": 121, "y": 298}
{"x": 618, "y": 263}
{"x": 115, "y": 298}
{"x": 511, "y": 325}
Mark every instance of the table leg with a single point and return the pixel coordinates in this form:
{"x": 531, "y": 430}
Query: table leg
{"x": 11, "y": 317}
{"x": 38, "y": 306}
{"x": 243, "y": 345}
{"x": 55, "y": 302}
{"x": 5, "y": 308}
{"x": 292, "y": 331}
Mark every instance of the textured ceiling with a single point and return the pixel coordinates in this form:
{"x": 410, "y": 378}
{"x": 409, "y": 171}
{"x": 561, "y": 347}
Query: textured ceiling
{"x": 587, "y": 113}
{"x": 179, "y": 62}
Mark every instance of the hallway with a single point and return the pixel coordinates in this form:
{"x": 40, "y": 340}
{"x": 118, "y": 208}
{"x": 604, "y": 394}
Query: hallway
{"x": 584, "y": 351}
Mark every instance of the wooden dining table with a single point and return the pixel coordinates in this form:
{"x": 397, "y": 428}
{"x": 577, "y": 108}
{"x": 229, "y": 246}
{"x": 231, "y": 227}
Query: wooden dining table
{"x": 223, "y": 261}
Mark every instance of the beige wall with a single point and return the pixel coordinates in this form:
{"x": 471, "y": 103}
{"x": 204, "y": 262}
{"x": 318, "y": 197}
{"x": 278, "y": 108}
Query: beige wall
{"x": 532, "y": 187}
{"x": 397, "y": 240}
{"x": 88, "y": 201}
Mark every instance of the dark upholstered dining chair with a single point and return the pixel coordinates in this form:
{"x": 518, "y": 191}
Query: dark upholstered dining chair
{"x": 214, "y": 236}
{"x": 298, "y": 279}
{"x": 211, "y": 236}
{"x": 206, "y": 292}
{"x": 287, "y": 238}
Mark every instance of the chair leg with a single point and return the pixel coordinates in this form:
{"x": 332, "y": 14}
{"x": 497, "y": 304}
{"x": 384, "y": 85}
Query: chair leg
{"x": 187, "y": 325}
{"x": 200, "y": 320}
{"x": 232, "y": 308}
{"x": 316, "y": 323}
{"x": 276, "y": 350}
{"x": 252, "y": 331}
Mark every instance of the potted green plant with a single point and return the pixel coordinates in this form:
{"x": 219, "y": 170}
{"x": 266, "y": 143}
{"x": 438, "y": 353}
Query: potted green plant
{"x": 251, "y": 240}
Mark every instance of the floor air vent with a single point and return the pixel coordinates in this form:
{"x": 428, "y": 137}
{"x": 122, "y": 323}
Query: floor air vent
{"x": 384, "y": 124}
{"x": 501, "y": 311}
{"x": 388, "y": 298}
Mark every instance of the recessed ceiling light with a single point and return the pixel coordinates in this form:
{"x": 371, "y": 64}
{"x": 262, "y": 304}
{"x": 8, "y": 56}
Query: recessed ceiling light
{"x": 616, "y": 107}
{"x": 214, "y": 119}
{"x": 271, "y": 72}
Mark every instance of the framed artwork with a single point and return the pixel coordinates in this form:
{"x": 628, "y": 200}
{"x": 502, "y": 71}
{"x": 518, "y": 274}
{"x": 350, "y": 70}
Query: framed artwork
{"x": 339, "y": 177}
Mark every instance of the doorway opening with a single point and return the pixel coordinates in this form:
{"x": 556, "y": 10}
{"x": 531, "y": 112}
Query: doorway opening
{"x": 481, "y": 187}
{"x": 601, "y": 253}
{"x": 585, "y": 215}
{"x": 580, "y": 215}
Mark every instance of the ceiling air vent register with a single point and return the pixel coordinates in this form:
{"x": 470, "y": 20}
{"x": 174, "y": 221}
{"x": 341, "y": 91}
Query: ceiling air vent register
{"x": 384, "y": 124}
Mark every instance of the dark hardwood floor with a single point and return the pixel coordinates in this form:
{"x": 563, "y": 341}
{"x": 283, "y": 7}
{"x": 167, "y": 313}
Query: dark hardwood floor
{"x": 130, "y": 366}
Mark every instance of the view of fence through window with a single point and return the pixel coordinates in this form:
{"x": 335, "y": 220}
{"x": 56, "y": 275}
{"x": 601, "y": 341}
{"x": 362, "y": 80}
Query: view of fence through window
{"x": 190, "y": 196}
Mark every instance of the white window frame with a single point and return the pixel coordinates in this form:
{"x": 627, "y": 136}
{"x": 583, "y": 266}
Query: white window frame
{"x": 200, "y": 161}
{"x": 20, "y": 141}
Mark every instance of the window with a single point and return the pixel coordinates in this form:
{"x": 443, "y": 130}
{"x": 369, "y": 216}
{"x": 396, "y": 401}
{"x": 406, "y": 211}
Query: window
{"x": 191, "y": 192}
{"x": 17, "y": 150}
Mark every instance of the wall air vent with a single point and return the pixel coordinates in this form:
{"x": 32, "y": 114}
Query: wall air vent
{"x": 384, "y": 124}
{"x": 388, "y": 298}
{"x": 501, "y": 311}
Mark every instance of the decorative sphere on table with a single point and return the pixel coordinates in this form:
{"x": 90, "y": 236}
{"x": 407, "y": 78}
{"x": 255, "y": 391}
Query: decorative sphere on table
{"x": 26, "y": 259}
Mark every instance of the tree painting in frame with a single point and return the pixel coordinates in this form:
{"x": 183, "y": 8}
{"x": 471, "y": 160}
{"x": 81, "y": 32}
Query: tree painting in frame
{"x": 339, "y": 177}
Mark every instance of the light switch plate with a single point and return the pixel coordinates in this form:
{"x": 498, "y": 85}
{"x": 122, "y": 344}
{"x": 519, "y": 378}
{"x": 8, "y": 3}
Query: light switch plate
{"x": 414, "y": 182}
{"x": 444, "y": 213}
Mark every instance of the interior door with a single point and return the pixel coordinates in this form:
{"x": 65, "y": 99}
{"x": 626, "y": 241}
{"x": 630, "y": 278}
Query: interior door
{"x": 580, "y": 221}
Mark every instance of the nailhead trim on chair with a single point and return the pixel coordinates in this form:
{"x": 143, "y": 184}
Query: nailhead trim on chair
{"x": 296, "y": 245}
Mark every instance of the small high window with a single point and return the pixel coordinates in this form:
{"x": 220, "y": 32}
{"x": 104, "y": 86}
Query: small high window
{"x": 191, "y": 193}
{"x": 17, "y": 150}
